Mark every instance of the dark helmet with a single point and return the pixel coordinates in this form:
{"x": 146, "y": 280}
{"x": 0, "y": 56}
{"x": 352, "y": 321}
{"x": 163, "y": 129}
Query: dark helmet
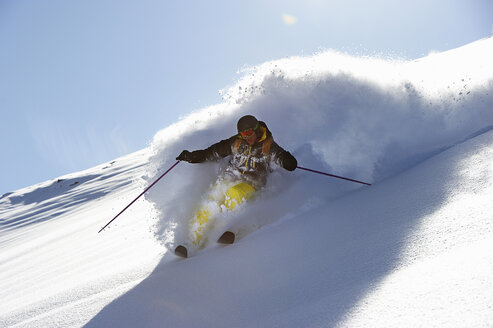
{"x": 247, "y": 122}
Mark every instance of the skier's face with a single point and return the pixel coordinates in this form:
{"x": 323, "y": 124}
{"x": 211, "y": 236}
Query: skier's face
{"x": 249, "y": 135}
{"x": 251, "y": 139}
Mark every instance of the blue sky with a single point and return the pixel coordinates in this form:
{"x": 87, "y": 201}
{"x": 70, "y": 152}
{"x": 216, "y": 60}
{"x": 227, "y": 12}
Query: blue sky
{"x": 83, "y": 82}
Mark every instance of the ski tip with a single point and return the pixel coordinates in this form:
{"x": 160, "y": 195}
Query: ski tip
{"x": 227, "y": 238}
{"x": 181, "y": 251}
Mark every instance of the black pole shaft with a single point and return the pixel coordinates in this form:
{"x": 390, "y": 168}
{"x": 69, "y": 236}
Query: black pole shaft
{"x": 162, "y": 175}
{"x": 332, "y": 175}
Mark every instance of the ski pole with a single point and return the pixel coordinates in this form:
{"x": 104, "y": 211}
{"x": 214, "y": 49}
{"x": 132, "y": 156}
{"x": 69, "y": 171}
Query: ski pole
{"x": 162, "y": 175}
{"x": 332, "y": 175}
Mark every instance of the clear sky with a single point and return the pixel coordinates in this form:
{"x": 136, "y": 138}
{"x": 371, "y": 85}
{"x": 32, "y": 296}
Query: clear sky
{"x": 84, "y": 82}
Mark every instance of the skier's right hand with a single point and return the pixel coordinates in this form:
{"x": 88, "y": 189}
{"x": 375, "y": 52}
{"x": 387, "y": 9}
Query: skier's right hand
{"x": 185, "y": 156}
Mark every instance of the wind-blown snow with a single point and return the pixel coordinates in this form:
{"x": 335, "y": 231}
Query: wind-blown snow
{"x": 414, "y": 249}
{"x": 364, "y": 118}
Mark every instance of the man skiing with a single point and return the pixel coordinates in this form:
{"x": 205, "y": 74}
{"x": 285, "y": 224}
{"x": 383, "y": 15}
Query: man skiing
{"x": 252, "y": 152}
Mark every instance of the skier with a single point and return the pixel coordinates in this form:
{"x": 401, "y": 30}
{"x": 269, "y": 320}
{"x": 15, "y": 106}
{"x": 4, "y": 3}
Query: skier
{"x": 252, "y": 152}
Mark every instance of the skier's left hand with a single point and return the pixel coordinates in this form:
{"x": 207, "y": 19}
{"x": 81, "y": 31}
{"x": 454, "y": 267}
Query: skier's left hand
{"x": 288, "y": 161}
{"x": 185, "y": 156}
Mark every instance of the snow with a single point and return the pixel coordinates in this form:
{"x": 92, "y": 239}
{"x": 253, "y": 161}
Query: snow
{"x": 413, "y": 249}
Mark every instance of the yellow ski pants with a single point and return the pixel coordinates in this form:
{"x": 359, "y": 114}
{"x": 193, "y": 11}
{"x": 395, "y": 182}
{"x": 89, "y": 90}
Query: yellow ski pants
{"x": 233, "y": 197}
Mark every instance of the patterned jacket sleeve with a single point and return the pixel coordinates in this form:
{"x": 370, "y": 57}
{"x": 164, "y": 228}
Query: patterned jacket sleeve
{"x": 215, "y": 152}
{"x": 282, "y": 157}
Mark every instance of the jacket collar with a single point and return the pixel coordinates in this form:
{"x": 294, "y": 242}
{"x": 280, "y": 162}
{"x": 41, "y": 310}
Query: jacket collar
{"x": 264, "y": 134}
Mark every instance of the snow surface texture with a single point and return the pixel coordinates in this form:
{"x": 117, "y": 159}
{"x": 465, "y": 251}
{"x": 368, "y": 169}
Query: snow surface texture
{"x": 414, "y": 249}
{"x": 55, "y": 270}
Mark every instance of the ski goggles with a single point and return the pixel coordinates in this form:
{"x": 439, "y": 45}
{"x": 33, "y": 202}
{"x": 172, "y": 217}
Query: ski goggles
{"x": 249, "y": 132}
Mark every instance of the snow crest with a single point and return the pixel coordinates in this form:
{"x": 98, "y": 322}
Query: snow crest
{"x": 364, "y": 118}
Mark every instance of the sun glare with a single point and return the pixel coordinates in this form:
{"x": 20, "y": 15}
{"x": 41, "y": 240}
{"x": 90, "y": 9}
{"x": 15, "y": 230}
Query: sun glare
{"x": 289, "y": 20}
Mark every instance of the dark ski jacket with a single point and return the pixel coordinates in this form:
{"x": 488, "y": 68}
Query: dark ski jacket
{"x": 249, "y": 163}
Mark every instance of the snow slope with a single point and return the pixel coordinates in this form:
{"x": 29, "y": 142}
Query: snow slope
{"x": 414, "y": 250}
{"x": 54, "y": 267}
{"x": 411, "y": 250}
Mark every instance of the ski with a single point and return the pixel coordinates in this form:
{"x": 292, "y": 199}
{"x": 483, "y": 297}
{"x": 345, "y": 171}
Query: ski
{"x": 227, "y": 238}
{"x": 181, "y": 251}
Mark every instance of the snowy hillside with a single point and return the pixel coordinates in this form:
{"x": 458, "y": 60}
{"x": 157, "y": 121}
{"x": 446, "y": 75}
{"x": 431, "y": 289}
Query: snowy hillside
{"x": 414, "y": 249}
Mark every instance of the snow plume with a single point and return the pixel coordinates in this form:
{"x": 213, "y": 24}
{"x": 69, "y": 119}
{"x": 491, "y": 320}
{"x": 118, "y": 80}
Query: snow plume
{"x": 364, "y": 118}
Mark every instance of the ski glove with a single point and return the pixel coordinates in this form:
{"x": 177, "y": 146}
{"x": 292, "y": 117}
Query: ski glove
{"x": 288, "y": 161}
{"x": 185, "y": 156}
